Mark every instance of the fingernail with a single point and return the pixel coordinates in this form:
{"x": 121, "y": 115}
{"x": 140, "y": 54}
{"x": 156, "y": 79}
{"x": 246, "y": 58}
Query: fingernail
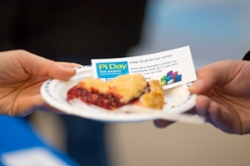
{"x": 198, "y": 83}
{"x": 72, "y": 70}
{"x": 68, "y": 69}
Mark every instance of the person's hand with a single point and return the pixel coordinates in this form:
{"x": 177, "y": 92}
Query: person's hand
{"x": 21, "y": 76}
{"x": 223, "y": 99}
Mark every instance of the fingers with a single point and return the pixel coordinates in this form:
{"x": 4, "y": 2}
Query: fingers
{"x": 70, "y": 65}
{"x": 202, "y": 105}
{"x": 31, "y": 104}
{"x": 26, "y": 106}
{"x": 48, "y": 108}
{"x": 212, "y": 111}
{"x": 58, "y": 72}
{"x": 218, "y": 115}
{"x": 39, "y": 66}
{"x": 162, "y": 123}
{"x": 215, "y": 74}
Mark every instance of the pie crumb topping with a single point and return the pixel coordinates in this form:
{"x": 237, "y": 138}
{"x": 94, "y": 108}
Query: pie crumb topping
{"x": 126, "y": 86}
{"x": 122, "y": 90}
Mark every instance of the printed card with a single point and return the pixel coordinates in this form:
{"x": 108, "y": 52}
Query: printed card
{"x": 171, "y": 68}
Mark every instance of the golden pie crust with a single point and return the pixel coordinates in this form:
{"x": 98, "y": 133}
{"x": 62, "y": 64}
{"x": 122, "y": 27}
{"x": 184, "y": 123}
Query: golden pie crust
{"x": 155, "y": 98}
{"x": 126, "y": 86}
{"x": 129, "y": 87}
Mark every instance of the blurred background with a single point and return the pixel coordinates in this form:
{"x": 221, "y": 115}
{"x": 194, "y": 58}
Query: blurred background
{"x": 215, "y": 30}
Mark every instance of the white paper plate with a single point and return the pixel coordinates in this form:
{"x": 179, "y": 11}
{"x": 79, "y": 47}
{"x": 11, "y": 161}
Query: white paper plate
{"x": 54, "y": 92}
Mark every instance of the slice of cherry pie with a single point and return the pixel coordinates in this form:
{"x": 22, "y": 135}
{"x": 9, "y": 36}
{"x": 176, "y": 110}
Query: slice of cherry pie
{"x": 120, "y": 91}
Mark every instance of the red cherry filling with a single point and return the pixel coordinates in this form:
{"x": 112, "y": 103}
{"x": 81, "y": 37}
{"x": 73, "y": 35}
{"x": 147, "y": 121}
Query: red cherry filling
{"x": 108, "y": 101}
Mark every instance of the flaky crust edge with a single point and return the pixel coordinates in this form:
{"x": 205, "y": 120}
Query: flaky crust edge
{"x": 155, "y": 98}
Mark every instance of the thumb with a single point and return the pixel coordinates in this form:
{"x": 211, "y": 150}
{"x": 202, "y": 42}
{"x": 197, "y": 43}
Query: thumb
{"x": 215, "y": 74}
{"x": 42, "y": 67}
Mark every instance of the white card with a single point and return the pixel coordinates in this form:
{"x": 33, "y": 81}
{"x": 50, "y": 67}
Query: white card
{"x": 171, "y": 68}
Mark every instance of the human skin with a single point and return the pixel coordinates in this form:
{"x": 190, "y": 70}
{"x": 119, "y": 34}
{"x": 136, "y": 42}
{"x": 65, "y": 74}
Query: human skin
{"x": 21, "y": 76}
{"x": 223, "y": 96}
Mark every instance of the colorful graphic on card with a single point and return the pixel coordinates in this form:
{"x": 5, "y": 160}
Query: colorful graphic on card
{"x": 170, "y": 78}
